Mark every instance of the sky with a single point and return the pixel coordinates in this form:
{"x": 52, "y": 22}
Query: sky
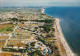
{"x": 39, "y": 3}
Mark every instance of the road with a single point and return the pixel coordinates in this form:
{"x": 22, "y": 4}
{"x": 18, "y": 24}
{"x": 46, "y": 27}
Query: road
{"x": 10, "y": 35}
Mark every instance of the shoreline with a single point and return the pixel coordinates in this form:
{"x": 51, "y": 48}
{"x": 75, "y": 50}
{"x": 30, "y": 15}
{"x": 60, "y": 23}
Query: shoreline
{"x": 42, "y": 10}
{"x": 62, "y": 39}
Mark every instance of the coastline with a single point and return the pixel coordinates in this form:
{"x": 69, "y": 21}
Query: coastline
{"x": 67, "y": 48}
{"x": 62, "y": 39}
{"x": 42, "y": 10}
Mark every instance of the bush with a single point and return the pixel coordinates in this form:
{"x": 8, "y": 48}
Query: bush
{"x": 47, "y": 28}
{"x": 9, "y": 29}
{"x": 0, "y": 19}
{"x": 13, "y": 50}
{"x": 33, "y": 43}
{"x": 14, "y": 19}
{"x": 46, "y": 21}
{"x": 41, "y": 40}
{"x": 35, "y": 53}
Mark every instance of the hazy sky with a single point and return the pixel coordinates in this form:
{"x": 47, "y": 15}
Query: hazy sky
{"x": 39, "y": 2}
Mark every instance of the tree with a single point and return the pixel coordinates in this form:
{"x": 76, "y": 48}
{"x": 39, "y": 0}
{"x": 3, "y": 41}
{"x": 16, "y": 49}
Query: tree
{"x": 33, "y": 43}
{"x": 9, "y": 29}
{"x": 14, "y": 19}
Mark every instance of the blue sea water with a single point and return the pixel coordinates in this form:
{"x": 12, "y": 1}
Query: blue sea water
{"x": 70, "y": 24}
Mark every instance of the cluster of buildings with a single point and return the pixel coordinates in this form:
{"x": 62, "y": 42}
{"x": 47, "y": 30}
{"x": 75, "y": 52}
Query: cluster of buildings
{"x": 8, "y": 15}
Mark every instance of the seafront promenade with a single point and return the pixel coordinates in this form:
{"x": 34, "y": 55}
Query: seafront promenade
{"x": 62, "y": 39}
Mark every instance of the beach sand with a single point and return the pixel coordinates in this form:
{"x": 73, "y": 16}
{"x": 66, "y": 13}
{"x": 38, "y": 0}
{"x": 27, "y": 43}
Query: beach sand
{"x": 61, "y": 42}
{"x": 42, "y": 10}
{"x": 62, "y": 39}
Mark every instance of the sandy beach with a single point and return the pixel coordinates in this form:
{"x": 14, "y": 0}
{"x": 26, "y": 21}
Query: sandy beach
{"x": 42, "y": 10}
{"x": 62, "y": 39}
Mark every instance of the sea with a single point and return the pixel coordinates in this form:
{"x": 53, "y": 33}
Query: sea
{"x": 70, "y": 24}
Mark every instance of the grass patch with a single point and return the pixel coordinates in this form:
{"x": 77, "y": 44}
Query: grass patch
{"x": 3, "y": 29}
{"x": 6, "y": 27}
{"x": 9, "y": 29}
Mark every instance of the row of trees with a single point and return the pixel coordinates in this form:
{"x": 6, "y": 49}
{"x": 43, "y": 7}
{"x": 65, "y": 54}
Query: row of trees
{"x": 46, "y": 21}
{"x": 14, "y": 50}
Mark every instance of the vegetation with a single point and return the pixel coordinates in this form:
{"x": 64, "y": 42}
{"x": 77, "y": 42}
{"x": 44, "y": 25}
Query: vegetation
{"x": 47, "y": 28}
{"x": 9, "y": 29}
{"x": 46, "y": 21}
{"x": 44, "y": 42}
{"x": 33, "y": 43}
{"x": 36, "y": 53}
{"x": 2, "y": 29}
{"x": 0, "y": 19}
{"x": 38, "y": 38}
{"x": 13, "y": 50}
{"x": 5, "y": 29}
{"x": 14, "y": 19}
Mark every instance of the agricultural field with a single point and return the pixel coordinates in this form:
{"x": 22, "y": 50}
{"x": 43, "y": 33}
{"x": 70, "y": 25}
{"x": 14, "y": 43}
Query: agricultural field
{"x": 15, "y": 43}
{"x": 10, "y": 54}
{"x": 2, "y": 42}
{"x": 4, "y": 37}
{"x": 28, "y": 24}
{"x": 6, "y": 28}
{"x": 24, "y": 31}
{"x": 21, "y": 34}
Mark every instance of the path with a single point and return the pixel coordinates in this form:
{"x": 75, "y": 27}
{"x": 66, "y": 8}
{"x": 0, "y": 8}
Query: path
{"x": 10, "y": 35}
